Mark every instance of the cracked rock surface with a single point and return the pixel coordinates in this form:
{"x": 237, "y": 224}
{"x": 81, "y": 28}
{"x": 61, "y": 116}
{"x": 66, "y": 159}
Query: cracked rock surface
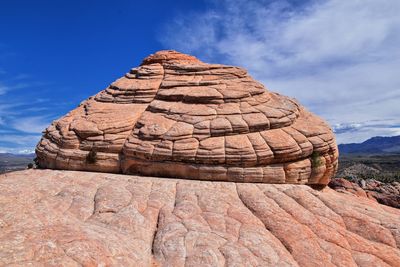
{"x": 67, "y": 218}
{"x": 175, "y": 116}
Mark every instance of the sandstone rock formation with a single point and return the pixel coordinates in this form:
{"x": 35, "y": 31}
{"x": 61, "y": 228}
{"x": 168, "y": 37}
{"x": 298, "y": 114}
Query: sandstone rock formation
{"x": 64, "y": 218}
{"x": 175, "y": 116}
{"x": 385, "y": 193}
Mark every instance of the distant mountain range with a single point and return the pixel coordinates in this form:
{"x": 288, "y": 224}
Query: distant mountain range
{"x": 13, "y": 162}
{"x": 374, "y": 145}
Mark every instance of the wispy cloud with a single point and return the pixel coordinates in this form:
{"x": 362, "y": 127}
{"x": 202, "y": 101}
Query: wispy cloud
{"x": 346, "y": 127}
{"x": 25, "y": 84}
{"x": 3, "y": 89}
{"x": 366, "y": 129}
{"x": 34, "y": 124}
{"x": 20, "y": 139}
{"x": 339, "y": 58}
{"x": 18, "y": 143}
{"x": 17, "y": 150}
{"x": 16, "y": 82}
{"x": 21, "y": 119}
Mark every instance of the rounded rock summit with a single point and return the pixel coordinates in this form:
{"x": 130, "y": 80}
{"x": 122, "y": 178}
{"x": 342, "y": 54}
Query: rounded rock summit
{"x": 175, "y": 116}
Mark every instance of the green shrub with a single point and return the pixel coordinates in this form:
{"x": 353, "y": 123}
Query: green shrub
{"x": 315, "y": 160}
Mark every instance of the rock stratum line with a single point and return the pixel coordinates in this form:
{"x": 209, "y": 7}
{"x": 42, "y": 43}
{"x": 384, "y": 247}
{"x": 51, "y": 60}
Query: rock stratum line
{"x": 175, "y": 116}
{"x": 65, "y": 218}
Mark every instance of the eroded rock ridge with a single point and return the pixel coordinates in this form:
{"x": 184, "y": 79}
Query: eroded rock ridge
{"x": 175, "y": 116}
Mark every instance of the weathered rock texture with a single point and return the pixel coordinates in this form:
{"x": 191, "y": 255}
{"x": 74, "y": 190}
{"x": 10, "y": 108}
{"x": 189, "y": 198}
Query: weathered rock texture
{"x": 385, "y": 193}
{"x": 64, "y": 218}
{"x": 175, "y": 116}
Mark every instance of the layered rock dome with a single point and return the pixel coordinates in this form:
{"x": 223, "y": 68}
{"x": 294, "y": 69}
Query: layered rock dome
{"x": 175, "y": 116}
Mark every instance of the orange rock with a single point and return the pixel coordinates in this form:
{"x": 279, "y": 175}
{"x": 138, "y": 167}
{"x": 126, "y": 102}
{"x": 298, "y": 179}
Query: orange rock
{"x": 64, "y": 218}
{"x": 176, "y": 114}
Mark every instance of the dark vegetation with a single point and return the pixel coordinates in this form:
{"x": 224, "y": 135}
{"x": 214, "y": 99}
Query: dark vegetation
{"x": 376, "y": 158}
{"x": 316, "y": 160}
{"x": 91, "y": 157}
{"x": 385, "y": 167}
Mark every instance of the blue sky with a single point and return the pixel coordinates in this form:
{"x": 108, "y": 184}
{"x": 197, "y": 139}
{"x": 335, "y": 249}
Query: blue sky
{"x": 341, "y": 59}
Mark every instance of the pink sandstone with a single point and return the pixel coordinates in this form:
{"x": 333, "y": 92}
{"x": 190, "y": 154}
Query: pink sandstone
{"x": 175, "y": 116}
{"x": 66, "y": 218}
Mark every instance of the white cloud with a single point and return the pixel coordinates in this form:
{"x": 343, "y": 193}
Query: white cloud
{"x": 365, "y": 133}
{"x": 346, "y": 127}
{"x": 22, "y": 150}
{"x": 339, "y": 58}
{"x": 26, "y": 151}
{"x": 17, "y": 82}
{"x": 20, "y": 139}
{"x": 357, "y": 132}
{"x": 35, "y": 124}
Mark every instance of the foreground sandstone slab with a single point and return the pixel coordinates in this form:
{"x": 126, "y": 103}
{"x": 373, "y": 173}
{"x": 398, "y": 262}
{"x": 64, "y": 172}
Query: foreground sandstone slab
{"x": 385, "y": 193}
{"x": 66, "y": 218}
{"x": 175, "y": 116}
